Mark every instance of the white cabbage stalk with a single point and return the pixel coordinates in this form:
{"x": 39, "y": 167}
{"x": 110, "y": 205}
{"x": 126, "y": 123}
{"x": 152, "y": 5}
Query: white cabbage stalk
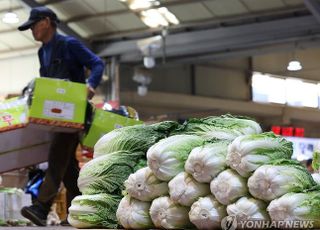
{"x": 205, "y": 162}
{"x": 169, "y": 215}
{"x": 185, "y": 190}
{"x": 167, "y": 157}
{"x": 272, "y": 181}
{"x": 134, "y": 214}
{"x": 296, "y": 206}
{"x": 316, "y": 177}
{"x": 207, "y": 213}
{"x": 145, "y": 186}
{"x": 228, "y": 186}
{"x": 248, "y": 208}
{"x": 246, "y": 153}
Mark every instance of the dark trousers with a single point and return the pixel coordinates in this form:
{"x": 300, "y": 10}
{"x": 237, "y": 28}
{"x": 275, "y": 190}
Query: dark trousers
{"x": 62, "y": 167}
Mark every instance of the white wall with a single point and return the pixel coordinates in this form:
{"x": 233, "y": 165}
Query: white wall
{"x": 16, "y": 72}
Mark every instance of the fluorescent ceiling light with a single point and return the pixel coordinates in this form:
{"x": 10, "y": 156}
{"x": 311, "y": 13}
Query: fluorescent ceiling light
{"x": 10, "y": 18}
{"x": 158, "y": 17}
{"x": 169, "y": 16}
{"x": 294, "y": 65}
{"x": 142, "y": 4}
{"x": 153, "y": 18}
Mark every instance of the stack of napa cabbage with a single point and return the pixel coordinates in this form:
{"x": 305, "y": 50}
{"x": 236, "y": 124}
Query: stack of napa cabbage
{"x": 174, "y": 190}
{"x": 116, "y": 155}
{"x": 193, "y": 175}
{"x": 216, "y": 167}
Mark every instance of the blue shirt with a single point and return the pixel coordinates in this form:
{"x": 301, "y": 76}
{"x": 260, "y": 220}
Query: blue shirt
{"x": 65, "y": 57}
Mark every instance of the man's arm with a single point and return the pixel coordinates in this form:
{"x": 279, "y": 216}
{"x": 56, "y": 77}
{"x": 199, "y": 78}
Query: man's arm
{"x": 88, "y": 59}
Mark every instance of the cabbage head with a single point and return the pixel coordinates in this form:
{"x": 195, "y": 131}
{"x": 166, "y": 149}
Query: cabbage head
{"x": 134, "y": 214}
{"x": 246, "y": 153}
{"x": 225, "y": 127}
{"x": 106, "y": 174}
{"x": 145, "y": 186}
{"x": 137, "y": 138}
{"x": 94, "y": 211}
{"x": 278, "y": 178}
{"x": 167, "y": 157}
{"x": 169, "y": 215}
{"x": 207, "y": 213}
{"x": 248, "y": 208}
{"x": 205, "y": 162}
{"x": 297, "y": 206}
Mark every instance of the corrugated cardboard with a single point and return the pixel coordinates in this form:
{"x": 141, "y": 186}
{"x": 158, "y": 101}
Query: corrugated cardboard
{"x": 58, "y": 105}
{"x": 104, "y": 122}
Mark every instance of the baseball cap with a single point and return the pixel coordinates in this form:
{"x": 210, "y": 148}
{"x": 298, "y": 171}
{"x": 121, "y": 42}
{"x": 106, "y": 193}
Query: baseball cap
{"x": 36, "y": 14}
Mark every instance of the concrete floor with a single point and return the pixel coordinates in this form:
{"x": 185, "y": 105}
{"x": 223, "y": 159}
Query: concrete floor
{"x": 37, "y": 228}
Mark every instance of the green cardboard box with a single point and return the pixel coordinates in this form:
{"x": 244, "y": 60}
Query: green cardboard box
{"x": 13, "y": 114}
{"x": 20, "y": 145}
{"x": 104, "y": 122}
{"x": 58, "y": 103}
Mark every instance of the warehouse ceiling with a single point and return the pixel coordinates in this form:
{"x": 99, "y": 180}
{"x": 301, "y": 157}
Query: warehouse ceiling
{"x": 202, "y": 30}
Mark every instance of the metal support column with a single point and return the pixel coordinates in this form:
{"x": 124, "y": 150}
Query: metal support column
{"x": 115, "y": 82}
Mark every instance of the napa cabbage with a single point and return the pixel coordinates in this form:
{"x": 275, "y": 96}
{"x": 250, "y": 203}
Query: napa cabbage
{"x": 167, "y": 157}
{"x": 296, "y": 206}
{"x": 207, "y": 213}
{"x": 134, "y": 214}
{"x": 106, "y": 174}
{"x": 225, "y": 127}
{"x": 145, "y": 186}
{"x": 207, "y": 161}
{"x": 246, "y": 153}
{"x": 136, "y": 138}
{"x": 278, "y": 178}
{"x": 94, "y": 211}
{"x": 185, "y": 190}
{"x": 169, "y": 215}
{"x": 248, "y": 208}
{"x": 228, "y": 186}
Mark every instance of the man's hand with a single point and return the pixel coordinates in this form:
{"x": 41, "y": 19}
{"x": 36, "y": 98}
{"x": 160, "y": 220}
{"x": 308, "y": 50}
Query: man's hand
{"x": 91, "y": 92}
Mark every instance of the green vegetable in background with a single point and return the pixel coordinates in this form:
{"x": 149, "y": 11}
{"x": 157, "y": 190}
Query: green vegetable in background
{"x": 316, "y": 161}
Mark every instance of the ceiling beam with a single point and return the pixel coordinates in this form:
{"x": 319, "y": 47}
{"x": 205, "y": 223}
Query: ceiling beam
{"x": 314, "y": 8}
{"x": 52, "y": 2}
{"x": 8, "y": 31}
{"x": 62, "y": 25}
{"x": 11, "y": 9}
{"x": 221, "y": 40}
{"x": 118, "y": 12}
{"x": 203, "y": 24}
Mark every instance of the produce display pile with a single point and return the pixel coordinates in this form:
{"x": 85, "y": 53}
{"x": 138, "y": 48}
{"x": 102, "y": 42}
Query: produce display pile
{"x": 193, "y": 175}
